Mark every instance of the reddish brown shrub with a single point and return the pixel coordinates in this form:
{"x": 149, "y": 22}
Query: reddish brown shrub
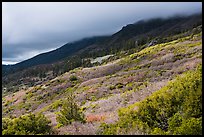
{"x": 92, "y": 118}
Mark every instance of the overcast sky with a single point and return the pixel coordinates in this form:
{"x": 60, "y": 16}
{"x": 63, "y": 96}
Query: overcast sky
{"x": 33, "y": 28}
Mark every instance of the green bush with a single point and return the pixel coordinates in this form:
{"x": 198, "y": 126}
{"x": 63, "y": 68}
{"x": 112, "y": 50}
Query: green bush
{"x": 29, "y": 124}
{"x": 174, "y": 109}
{"x": 70, "y": 112}
{"x": 56, "y": 104}
{"x": 73, "y": 78}
{"x": 192, "y": 126}
{"x": 119, "y": 85}
{"x": 181, "y": 126}
{"x": 112, "y": 87}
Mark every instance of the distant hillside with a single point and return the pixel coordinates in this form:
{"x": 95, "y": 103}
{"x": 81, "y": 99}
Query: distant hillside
{"x": 141, "y": 31}
{"x": 55, "y": 55}
{"x": 135, "y": 36}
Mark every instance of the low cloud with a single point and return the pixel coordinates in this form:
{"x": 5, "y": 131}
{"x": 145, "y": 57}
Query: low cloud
{"x": 32, "y": 28}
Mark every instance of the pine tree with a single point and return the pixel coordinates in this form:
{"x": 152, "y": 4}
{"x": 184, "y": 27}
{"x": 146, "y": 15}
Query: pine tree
{"x": 70, "y": 111}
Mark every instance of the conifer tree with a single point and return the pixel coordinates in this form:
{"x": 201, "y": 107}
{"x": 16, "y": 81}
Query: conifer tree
{"x": 70, "y": 111}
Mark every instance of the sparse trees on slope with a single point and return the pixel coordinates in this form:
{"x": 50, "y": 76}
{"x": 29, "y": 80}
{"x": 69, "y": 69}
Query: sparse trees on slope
{"x": 70, "y": 111}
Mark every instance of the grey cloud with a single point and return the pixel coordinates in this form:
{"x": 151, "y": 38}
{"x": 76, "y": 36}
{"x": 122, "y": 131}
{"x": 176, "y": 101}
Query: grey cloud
{"x": 32, "y": 28}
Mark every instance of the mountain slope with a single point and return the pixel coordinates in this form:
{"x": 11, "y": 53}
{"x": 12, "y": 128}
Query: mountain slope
{"x": 142, "y": 30}
{"x": 55, "y": 55}
{"x": 79, "y": 54}
{"x": 174, "y": 109}
{"x": 102, "y": 90}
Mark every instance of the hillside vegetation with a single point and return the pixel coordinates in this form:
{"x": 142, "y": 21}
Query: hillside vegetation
{"x": 175, "y": 109}
{"x": 83, "y": 53}
{"x": 154, "y": 90}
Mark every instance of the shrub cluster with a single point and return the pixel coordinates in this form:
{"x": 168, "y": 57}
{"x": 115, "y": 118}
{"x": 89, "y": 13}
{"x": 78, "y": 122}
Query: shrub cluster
{"x": 174, "y": 109}
{"x": 29, "y": 124}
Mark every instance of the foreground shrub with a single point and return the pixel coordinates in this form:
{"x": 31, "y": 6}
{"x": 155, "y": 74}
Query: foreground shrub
{"x": 174, "y": 109}
{"x": 29, "y": 124}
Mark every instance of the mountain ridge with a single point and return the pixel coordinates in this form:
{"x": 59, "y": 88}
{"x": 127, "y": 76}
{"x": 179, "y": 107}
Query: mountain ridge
{"x": 136, "y": 28}
{"x": 124, "y": 40}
